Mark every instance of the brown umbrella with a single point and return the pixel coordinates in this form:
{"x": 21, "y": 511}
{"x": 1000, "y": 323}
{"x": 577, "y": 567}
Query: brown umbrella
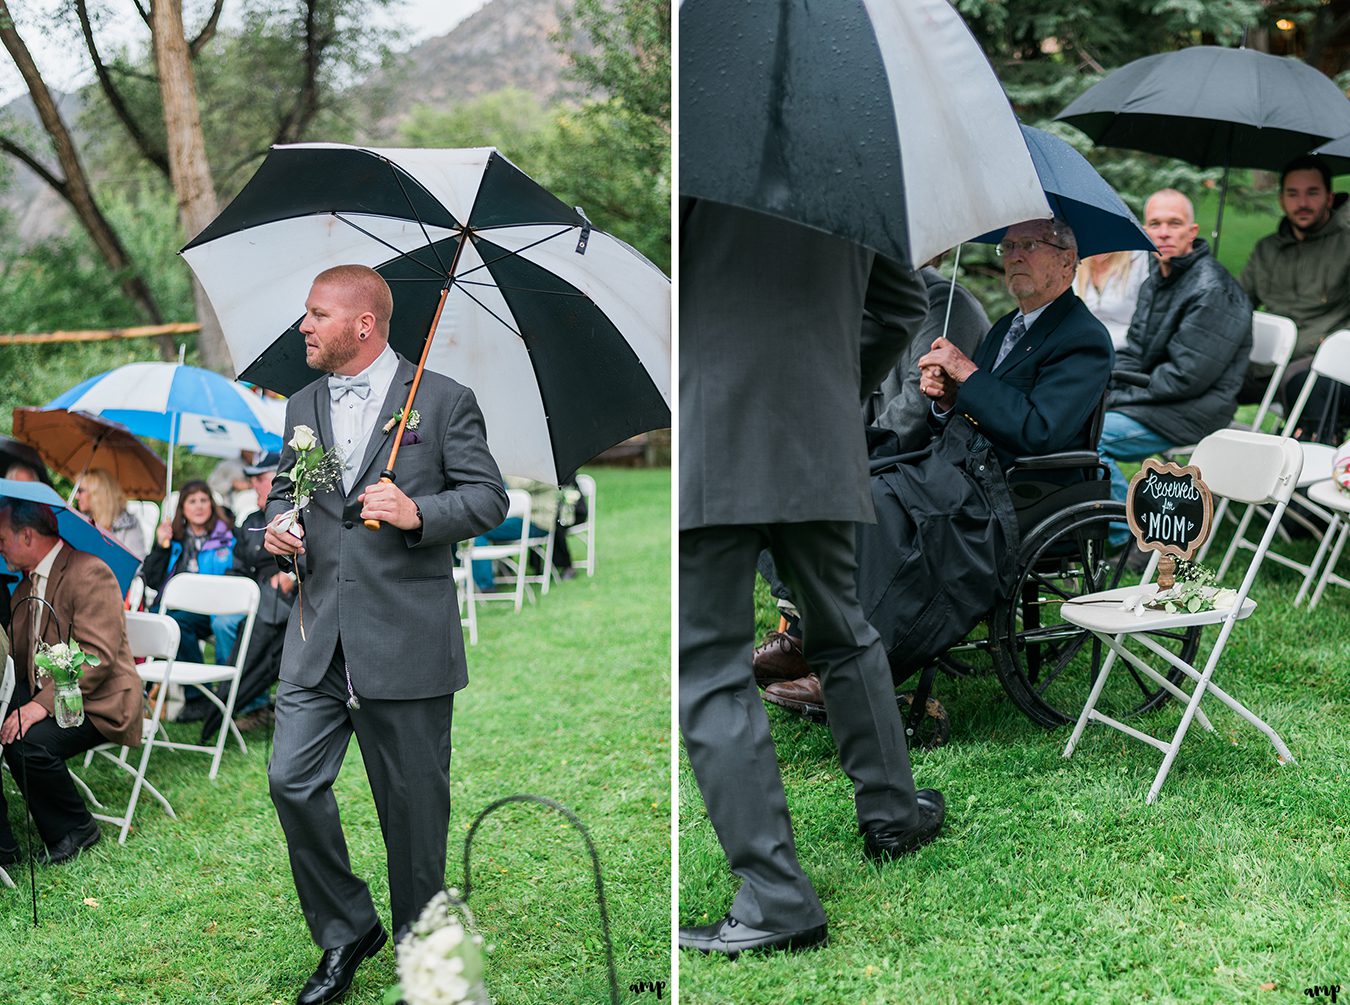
{"x": 74, "y": 442}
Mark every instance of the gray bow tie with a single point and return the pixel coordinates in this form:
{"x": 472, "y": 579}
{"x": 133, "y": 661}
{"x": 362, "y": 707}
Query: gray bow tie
{"x": 341, "y": 386}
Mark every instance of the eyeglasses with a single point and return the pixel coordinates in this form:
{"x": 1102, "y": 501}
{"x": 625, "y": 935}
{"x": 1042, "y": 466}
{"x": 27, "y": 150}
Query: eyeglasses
{"x": 1027, "y": 247}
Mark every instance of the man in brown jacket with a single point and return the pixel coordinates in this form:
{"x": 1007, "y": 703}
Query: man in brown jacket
{"x": 87, "y": 606}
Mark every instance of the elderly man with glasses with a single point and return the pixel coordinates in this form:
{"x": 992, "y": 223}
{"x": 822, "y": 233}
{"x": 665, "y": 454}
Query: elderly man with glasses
{"x": 1032, "y": 387}
{"x": 1036, "y": 380}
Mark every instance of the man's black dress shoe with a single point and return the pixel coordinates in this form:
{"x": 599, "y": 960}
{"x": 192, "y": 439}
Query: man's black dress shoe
{"x": 897, "y": 841}
{"x": 729, "y": 936}
{"x": 74, "y": 843}
{"x": 337, "y": 968}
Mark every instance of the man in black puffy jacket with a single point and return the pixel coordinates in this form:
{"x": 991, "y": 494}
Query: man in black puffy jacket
{"x": 1191, "y": 334}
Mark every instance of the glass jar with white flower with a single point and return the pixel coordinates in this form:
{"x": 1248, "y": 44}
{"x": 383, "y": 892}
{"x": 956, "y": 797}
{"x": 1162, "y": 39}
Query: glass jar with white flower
{"x": 64, "y": 663}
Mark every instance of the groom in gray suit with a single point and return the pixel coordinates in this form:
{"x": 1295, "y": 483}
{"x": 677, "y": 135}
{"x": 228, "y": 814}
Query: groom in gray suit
{"x": 373, "y": 645}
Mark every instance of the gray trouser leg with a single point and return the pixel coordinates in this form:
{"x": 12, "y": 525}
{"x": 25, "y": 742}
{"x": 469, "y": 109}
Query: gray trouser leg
{"x": 313, "y": 728}
{"x": 406, "y": 749}
{"x": 726, "y": 731}
{"x": 818, "y": 562}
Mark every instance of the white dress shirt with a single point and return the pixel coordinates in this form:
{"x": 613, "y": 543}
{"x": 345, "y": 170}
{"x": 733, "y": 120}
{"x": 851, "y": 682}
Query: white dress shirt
{"x": 355, "y": 419}
{"x": 38, "y": 578}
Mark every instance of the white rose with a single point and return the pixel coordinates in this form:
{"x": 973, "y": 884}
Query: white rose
{"x": 59, "y": 651}
{"x": 1223, "y": 600}
{"x": 302, "y": 439}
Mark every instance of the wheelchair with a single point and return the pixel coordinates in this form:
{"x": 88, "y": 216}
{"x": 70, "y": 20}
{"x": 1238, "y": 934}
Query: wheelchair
{"x": 1046, "y": 665}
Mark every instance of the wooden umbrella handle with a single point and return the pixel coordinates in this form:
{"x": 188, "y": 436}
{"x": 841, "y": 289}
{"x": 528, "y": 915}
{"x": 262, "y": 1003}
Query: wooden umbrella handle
{"x": 387, "y": 475}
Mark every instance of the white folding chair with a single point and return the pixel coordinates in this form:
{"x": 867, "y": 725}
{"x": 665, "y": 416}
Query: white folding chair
{"x": 1273, "y": 341}
{"x": 209, "y": 595}
{"x": 468, "y": 610}
{"x": 6, "y": 693}
{"x": 586, "y": 528}
{"x": 513, "y": 554}
{"x": 1332, "y": 361}
{"x": 152, "y": 637}
{"x": 1252, "y": 468}
{"x": 542, "y": 548}
{"x": 1333, "y": 499}
{"x": 147, "y": 514}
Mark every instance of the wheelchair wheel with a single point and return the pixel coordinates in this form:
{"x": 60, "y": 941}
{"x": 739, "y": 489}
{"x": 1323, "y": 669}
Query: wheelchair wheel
{"x": 933, "y": 730}
{"x": 1048, "y": 665}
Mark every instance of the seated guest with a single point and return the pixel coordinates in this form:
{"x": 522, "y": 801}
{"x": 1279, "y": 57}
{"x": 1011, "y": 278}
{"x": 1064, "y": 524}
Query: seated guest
{"x": 1033, "y": 386}
{"x": 543, "y": 515}
{"x": 87, "y": 601}
{"x": 1302, "y": 271}
{"x": 101, "y": 499}
{"x": 1109, "y": 285}
{"x": 897, "y": 404}
{"x": 197, "y": 539}
{"x": 21, "y": 463}
{"x": 262, "y": 662}
{"x": 1191, "y": 334}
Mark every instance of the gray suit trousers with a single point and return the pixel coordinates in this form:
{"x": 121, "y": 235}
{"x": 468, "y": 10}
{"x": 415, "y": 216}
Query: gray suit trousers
{"x": 722, "y": 717}
{"x": 406, "y": 749}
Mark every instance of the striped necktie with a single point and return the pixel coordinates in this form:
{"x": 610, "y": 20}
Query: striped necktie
{"x": 1016, "y": 330}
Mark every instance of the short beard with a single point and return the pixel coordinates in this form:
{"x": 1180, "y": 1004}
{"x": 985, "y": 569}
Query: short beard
{"x": 337, "y": 354}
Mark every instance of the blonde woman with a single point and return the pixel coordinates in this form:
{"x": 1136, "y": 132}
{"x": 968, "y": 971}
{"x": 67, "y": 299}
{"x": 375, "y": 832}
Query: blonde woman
{"x": 101, "y": 499}
{"x": 1109, "y": 285}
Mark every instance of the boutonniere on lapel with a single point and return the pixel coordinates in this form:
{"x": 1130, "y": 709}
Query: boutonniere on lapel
{"x": 315, "y": 470}
{"x": 410, "y": 433}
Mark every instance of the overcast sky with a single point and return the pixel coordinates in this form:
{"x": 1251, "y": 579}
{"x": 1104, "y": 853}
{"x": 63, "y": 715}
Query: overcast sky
{"x": 58, "y": 55}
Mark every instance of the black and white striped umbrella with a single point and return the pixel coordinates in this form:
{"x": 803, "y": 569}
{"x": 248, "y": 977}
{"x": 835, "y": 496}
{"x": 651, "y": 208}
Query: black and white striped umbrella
{"x": 562, "y": 331}
{"x": 879, "y": 121}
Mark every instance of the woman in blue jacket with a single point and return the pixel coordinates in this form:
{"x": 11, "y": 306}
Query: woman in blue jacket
{"x": 198, "y": 539}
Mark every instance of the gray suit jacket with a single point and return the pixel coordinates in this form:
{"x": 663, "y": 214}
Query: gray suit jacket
{"x": 772, "y": 368}
{"x": 390, "y": 593}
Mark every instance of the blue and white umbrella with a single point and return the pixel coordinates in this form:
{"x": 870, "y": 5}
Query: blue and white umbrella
{"x": 75, "y": 530}
{"x": 181, "y": 405}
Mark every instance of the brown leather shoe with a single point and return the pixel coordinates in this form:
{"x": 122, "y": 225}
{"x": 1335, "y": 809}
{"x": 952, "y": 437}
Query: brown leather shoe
{"x": 803, "y": 696}
{"x": 779, "y": 658}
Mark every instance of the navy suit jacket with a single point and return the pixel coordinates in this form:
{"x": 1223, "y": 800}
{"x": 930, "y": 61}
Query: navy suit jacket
{"x": 1043, "y": 397}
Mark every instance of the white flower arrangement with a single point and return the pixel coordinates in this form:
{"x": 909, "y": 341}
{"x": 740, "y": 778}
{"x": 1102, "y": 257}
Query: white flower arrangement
{"x": 1192, "y": 592}
{"x": 62, "y": 662}
{"x": 440, "y": 962}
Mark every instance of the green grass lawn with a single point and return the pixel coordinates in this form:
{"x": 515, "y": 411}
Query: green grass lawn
{"x": 569, "y": 699}
{"x": 1053, "y": 881}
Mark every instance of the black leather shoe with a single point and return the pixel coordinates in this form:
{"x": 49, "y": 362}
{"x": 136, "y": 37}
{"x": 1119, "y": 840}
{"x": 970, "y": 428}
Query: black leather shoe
{"x": 10, "y": 852}
{"x": 74, "y": 843}
{"x": 891, "y": 843}
{"x": 730, "y": 937}
{"x": 337, "y": 968}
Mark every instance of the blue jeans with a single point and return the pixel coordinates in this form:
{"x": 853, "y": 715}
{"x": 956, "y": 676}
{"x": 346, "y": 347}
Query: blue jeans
{"x": 1124, "y": 439}
{"x": 507, "y": 530}
{"x": 195, "y": 627}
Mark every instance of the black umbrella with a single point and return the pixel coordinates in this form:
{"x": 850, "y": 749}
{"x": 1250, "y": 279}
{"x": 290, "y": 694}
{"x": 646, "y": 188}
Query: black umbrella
{"x": 562, "y": 331}
{"x": 13, "y": 451}
{"x": 879, "y": 121}
{"x": 1213, "y": 107}
{"x": 1336, "y": 154}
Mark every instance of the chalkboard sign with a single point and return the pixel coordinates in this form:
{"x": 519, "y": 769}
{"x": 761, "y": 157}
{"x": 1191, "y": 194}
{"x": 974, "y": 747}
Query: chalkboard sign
{"x": 1169, "y": 508}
